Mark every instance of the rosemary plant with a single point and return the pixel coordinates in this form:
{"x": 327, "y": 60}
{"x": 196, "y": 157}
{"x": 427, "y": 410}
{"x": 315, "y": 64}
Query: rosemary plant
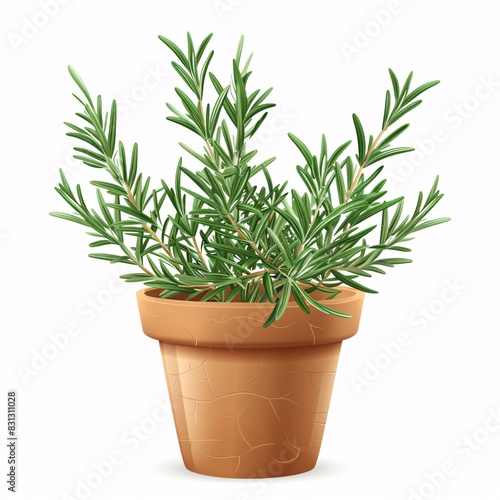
{"x": 238, "y": 241}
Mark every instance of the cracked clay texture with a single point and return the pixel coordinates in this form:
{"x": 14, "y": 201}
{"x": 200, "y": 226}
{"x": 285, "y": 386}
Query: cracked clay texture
{"x": 250, "y": 412}
{"x": 248, "y": 401}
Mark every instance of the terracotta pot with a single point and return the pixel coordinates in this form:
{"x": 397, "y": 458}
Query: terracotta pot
{"x": 249, "y": 401}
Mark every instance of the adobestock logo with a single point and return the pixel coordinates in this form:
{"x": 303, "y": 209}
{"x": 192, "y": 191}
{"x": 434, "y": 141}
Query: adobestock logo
{"x": 32, "y": 25}
{"x": 453, "y": 118}
{"x": 462, "y": 451}
{"x": 419, "y": 322}
{"x": 85, "y": 313}
{"x": 364, "y": 35}
{"x": 130, "y": 441}
{"x": 3, "y": 238}
{"x": 224, "y": 7}
{"x": 277, "y": 122}
{"x": 125, "y": 104}
{"x": 246, "y": 327}
{"x": 259, "y": 481}
{"x": 130, "y": 100}
{"x": 70, "y": 166}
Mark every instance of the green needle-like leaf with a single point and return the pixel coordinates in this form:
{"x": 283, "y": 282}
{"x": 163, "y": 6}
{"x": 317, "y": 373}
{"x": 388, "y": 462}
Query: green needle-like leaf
{"x": 360, "y": 135}
{"x": 239, "y": 233}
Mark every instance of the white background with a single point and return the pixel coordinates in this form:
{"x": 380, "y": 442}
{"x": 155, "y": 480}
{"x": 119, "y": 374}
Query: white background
{"x": 385, "y": 436}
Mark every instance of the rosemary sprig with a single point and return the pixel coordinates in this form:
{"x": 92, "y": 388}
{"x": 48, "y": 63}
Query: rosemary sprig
{"x": 240, "y": 240}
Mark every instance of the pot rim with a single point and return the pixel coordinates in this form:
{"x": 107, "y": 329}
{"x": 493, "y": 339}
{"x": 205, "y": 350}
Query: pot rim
{"x": 241, "y": 324}
{"x": 347, "y": 294}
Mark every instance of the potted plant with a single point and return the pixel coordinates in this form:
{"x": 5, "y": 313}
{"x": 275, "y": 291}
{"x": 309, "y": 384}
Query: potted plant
{"x": 251, "y": 287}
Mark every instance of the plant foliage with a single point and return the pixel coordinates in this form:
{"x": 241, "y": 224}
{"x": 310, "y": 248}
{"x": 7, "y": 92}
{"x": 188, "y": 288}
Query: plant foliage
{"x": 234, "y": 239}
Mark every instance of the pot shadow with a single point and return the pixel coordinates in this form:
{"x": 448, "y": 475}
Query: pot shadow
{"x": 176, "y": 468}
{"x": 327, "y": 468}
{"x": 324, "y": 469}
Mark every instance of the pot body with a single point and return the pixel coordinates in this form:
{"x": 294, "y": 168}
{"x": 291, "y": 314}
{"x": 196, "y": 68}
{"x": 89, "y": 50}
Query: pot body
{"x": 248, "y": 401}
